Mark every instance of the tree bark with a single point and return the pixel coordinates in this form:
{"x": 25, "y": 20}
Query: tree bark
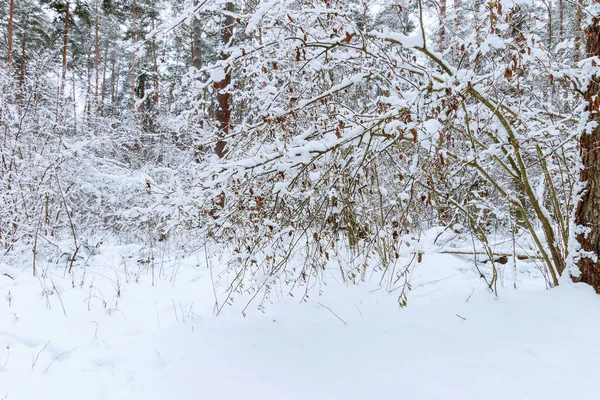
{"x": 11, "y": 12}
{"x": 112, "y": 85}
{"x": 65, "y": 44}
{"x": 578, "y": 31}
{"x": 61, "y": 89}
{"x": 458, "y": 20}
{"x": 88, "y": 93}
{"x": 457, "y": 13}
{"x": 561, "y": 21}
{"x": 97, "y": 60}
{"x": 549, "y": 28}
{"x": 588, "y": 209}
{"x": 196, "y": 41}
{"x": 442, "y": 22}
{"x": 156, "y": 77}
{"x": 103, "y": 90}
{"x": 22, "y": 67}
{"x": 133, "y": 56}
{"x": 223, "y": 112}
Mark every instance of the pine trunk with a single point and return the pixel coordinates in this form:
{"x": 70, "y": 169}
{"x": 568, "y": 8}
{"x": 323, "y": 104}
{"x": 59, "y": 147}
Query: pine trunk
{"x": 10, "y": 35}
{"x": 65, "y": 45}
{"x": 549, "y": 29}
{"x": 112, "y": 85}
{"x": 561, "y": 21}
{"x": 133, "y": 56}
{"x": 103, "y": 89}
{"x": 196, "y": 41}
{"x": 61, "y": 90}
{"x": 22, "y": 67}
{"x": 97, "y": 60}
{"x": 578, "y": 31}
{"x": 155, "y": 67}
{"x": 442, "y": 26}
{"x": 588, "y": 210}
{"x": 223, "y": 112}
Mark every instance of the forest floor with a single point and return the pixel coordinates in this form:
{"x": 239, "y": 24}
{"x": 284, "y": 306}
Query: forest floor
{"x": 106, "y": 332}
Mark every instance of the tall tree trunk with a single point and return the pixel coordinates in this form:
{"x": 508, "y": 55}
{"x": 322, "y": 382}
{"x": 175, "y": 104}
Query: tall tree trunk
{"x": 61, "y": 89}
{"x": 196, "y": 41}
{"x": 442, "y": 26}
{"x": 155, "y": 71}
{"x": 103, "y": 90}
{"x": 173, "y": 82}
{"x": 578, "y": 31}
{"x": 457, "y": 6}
{"x": 88, "y": 92}
{"x": 457, "y": 13}
{"x": 223, "y": 112}
{"x": 112, "y": 84}
{"x": 65, "y": 44}
{"x": 561, "y": 21}
{"x": 549, "y": 27}
{"x": 11, "y": 12}
{"x": 74, "y": 103}
{"x": 133, "y": 57}
{"x": 588, "y": 209}
{"x": 97, "y": 60}
{"x": 22, "y": 67}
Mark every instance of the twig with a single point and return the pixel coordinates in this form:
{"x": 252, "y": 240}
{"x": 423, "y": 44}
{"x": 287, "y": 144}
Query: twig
{"x": 469, "y": 298}
{"x": 360, "y": 312}
{"x": 96, "y": 332}
{"x": 59, "y": 298}
{"x": 331, "y": 311}
{"x": 7, "y": 357}
{"x": 482, "y": 253}
{"x": 175, "y": 309}
{"x": 38, "y": 354}
{"x": 71, "y": 224}
{"x": 463, "y": 318}
{"x": 209, "y": 264}
{"x": 57, "y": 357}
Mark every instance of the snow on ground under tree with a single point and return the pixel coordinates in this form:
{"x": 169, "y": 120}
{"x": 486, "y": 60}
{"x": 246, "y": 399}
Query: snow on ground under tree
{"x": 453, "y": 341}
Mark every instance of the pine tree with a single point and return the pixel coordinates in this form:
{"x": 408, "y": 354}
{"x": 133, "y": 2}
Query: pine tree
{"x": 588, "y": 209}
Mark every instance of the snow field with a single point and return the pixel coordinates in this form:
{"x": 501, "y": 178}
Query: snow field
{"x": 454, "y": 341}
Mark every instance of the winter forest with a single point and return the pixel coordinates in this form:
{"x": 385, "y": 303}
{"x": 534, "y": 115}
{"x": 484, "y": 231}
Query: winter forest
{"x": 326, "y": 199}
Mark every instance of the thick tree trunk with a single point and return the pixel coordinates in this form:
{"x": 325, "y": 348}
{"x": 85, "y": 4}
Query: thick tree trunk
{"x": 578, "y": 31}
{"x": 11, "y": 12}
{"x": 588, "y": 210}
{"x": 223, "y": 112}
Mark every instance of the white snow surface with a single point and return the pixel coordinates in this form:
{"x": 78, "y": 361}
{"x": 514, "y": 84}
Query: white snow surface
{"x": 120, "y": 337}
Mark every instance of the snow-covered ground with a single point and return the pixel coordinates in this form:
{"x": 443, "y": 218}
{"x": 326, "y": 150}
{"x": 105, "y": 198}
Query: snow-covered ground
{"x": 118, "y": 337}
